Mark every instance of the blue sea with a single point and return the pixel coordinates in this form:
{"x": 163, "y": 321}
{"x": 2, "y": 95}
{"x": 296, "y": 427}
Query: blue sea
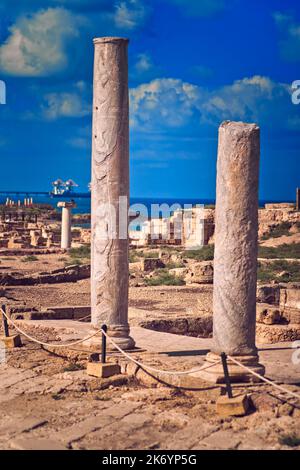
{"x": 84, "y": 204}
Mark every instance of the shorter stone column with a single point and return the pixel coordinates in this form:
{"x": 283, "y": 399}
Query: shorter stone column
{"x": 66, "y": 235}
{"x": 298, "y": 199}
{"x": 235, "y": 260}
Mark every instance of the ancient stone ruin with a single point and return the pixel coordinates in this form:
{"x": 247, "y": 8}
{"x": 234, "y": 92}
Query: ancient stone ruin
{"x": 66, "y": 234}
{"x": 235, "y": 261}
{"x": 110, "y": 183}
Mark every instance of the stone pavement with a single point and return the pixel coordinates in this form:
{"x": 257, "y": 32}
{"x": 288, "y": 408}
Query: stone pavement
{"x": 45, "y": 403}
{"x": 180, "y": 350}
{"x": 133, "y": 418}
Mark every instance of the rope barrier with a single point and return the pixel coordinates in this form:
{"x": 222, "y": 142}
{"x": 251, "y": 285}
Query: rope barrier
{"x": 84, "y": 318}
{"x": 143, "y": 366}
{"x": 150, "y": 368}
{"x": 264, "y": 378}
{"x": 59, "y": 345}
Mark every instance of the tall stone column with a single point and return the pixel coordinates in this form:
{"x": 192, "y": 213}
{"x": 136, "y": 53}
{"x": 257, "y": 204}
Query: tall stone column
{"x": 110, "y": 182}
{"x": 235, "y": 260}
{"x": 66, "y": 222}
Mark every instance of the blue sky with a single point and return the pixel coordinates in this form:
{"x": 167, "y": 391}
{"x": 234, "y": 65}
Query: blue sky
{"x": 193, "y": 64}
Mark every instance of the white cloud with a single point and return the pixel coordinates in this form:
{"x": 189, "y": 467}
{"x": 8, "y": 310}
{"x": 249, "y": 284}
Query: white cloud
{"x": 143, "y": 63}
{"x": 169, "y": 101}
{"x": 144, "y": 68}
{"x": 289, "y": 43}
{"x": 247, "y": 99}
{"x": 172, "y": 103}
{"x": 36, "y": 45}
{"x": 130, "y": 14}
{"x": 67, "y": 104}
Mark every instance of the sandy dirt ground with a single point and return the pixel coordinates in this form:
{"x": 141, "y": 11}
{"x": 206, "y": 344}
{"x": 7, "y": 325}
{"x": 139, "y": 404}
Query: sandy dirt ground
{"x": 43, "y": 263}
{"x": 285, "y": 239}
{"x": 161, "y": 300}
{"x": 48, "y": 401}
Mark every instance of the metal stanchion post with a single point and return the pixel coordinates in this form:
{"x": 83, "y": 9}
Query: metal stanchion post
{"x": 226, "y": 375}
{"x": 4, "y": 322}
{"x": 227, "y": 405}
{"x": 102, "y": 369}
{"x": 13, "y": 341}
{"x": 103, "y": 345}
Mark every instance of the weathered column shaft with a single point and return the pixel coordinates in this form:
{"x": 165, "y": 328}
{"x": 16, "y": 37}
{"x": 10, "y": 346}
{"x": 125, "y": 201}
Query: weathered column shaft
{"x": 110, "y": 181}
{"x": 66, "y": 224}
{"x": 298, "y": 199}
{"x": 235, "y": 259}
{"x": 66, "y": 238}
{"x": 236, "y": 232}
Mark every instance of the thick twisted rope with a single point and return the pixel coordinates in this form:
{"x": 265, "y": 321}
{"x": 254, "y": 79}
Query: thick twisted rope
{"x": 150, "y": 368}
{"x": 143, "y": 366}
{"x": 295, "y": 395}
{"x": 58, "y": 345}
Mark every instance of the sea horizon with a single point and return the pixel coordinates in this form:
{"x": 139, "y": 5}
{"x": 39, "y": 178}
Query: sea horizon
{"x": 84, "y": 204}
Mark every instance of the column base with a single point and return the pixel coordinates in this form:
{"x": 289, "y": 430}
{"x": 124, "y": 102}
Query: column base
{"x": 118, "y": 333}
{"x": 215, "y": 373}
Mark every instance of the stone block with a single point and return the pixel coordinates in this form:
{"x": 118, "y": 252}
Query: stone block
{"x": 179, "y": 272}
{"x": 103, "y": 371}
{"x": 82, "y": 311}
{"x": 12, "y": 341}
{"x": 290, "y": 296}
{"x": 62, "y": 312}
{"x": 150, "y": 264}
{"x": 268, "y": 294}
{"x": 25, "y": 425}
{"x": 236, "y": 406}
{"x": 222, "y": 440}
{"x": 35, "y": 444}
{"x": 269, "y": 334}
{"x": 79, "y": 430}
{"x": 201, "y": 273}
{"x": 280, "y": 206}
{"x": 268, "y": 314}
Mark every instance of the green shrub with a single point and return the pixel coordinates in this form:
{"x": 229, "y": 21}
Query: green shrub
{"x": 28, "y": 259}
{"x": 73, "y": 262}
{"x": 172, "y": 265}
{"x": 164, "y": 278}
{"x": 282, "y": 251}
{"x": 206, "y": 253}
{"x": 57, "y": 396}
{"x": 81, "y": 252}
{"x": 133, "y": 257}
{"x": 291, "y": 440}
{"x": 278, "y": 231}
{"x": 269, "y": 272}
{"x": 149, "y": 254}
